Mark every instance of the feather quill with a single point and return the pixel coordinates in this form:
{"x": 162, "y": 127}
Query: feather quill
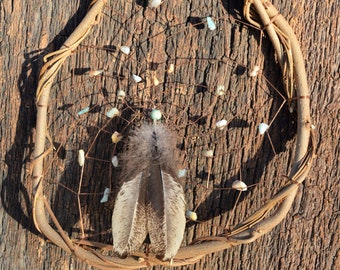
{"x": 150, "y": 201}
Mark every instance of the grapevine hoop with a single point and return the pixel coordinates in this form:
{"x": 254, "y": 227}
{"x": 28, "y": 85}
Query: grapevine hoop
{"x": 259, "y": 13}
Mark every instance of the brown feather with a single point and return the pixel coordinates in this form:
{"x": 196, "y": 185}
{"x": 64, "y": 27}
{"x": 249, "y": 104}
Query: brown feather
{"x": 151, "y": 195}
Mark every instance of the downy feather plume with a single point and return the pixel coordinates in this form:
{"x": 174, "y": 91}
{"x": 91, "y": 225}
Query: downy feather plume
{"x": 150, "y": 201}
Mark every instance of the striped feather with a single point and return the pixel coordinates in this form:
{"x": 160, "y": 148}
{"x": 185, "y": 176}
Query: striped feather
{"x": 129, "y": 218}
{"x": 152, "y": 202}
{"x": 166, "y": 218}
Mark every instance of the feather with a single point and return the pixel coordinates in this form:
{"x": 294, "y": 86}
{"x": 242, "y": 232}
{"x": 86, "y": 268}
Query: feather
{"x": 128, "y": 218}
{"x": 166, "y": 222}
{"x": 151, "y": 201}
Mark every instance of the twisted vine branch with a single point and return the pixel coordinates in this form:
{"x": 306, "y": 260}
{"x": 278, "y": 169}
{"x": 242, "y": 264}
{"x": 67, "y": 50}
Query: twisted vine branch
{"x": 259, "y": 13}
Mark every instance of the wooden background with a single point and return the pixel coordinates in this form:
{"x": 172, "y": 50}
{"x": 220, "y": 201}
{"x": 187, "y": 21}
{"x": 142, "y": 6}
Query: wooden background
{"x": 307, "y": 239}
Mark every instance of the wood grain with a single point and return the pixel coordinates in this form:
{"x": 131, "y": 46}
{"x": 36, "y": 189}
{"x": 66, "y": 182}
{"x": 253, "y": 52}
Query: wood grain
{"x": 307, "y": 239}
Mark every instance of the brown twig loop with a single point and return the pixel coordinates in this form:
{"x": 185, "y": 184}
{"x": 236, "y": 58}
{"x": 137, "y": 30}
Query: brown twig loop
{"x": 292, "y": 65}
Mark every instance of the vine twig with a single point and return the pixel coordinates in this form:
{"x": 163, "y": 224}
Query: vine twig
{"x": 259, "y": 13}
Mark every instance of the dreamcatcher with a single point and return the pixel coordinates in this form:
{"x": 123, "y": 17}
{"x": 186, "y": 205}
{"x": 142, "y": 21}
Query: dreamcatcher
{"x": 163, "y": 120}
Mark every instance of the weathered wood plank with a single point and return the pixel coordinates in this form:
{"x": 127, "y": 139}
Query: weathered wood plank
{"x": 307, "y": 239}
